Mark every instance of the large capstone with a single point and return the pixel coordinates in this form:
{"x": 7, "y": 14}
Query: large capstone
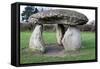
{"x": 59, "y": 16}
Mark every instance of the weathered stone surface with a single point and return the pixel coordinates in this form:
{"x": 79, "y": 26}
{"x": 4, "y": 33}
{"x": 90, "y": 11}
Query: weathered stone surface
{"x": 36, "y": 43}
{"x": 60, "y": 30}
{"x": 59, "y": 16}
{"x": 72, "y": 39}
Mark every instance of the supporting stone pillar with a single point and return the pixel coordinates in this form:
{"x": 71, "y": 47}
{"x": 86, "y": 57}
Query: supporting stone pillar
{"x": 36, "y": 43}
{"x": 60, "y": 30}
{"x": 72, "y": 39}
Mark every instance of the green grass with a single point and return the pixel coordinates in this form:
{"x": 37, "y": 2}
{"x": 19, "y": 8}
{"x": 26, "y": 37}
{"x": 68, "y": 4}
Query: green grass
{"x": 86, "y": 53}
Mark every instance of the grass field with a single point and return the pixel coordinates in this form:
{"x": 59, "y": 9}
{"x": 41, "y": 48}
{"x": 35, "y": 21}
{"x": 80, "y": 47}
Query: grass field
{"x": 86, "y": 53}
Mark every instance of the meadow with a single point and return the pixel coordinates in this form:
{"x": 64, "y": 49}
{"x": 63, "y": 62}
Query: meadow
{"x": 86, "y": 53}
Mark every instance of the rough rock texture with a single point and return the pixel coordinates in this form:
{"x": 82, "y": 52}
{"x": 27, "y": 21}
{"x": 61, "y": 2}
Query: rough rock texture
{"x": 60, "y": 30}
{"x": 59, "y": 16}
{"x": 72, "y": 39}
{"x": 36, "y": 43}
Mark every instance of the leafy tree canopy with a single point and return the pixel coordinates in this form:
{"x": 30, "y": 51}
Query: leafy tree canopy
{"x": 29, "y": 10}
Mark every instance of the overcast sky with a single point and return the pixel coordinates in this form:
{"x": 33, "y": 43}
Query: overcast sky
{"x": 88, "y": 12}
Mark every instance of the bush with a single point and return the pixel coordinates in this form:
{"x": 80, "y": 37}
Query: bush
{"x": 26, "y": 26}
{"x": 87, "y": 27}
{"x": 52, "y": 27}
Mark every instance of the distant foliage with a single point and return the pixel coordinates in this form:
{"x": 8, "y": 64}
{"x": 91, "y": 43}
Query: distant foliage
{"x": 26, "y": 26}
{"x": 88, "y": 27}
{"x": 29, "y": 10}
{"x": 29, "y": 27}
{"x": 52, "y": 27}
{"x": 49, "y": 27}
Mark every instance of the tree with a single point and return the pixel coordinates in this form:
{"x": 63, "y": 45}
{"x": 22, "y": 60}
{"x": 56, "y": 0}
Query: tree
{"x": 29, "y": 10}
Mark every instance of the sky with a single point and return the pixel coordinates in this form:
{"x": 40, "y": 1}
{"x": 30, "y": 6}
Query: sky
{"x": 88, "y": 12}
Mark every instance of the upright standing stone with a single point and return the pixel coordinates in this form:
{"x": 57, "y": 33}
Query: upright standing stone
{"x": 60, "y": 30}
{"x": 36, "y": 43}
{"x": 72, "y": 39}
